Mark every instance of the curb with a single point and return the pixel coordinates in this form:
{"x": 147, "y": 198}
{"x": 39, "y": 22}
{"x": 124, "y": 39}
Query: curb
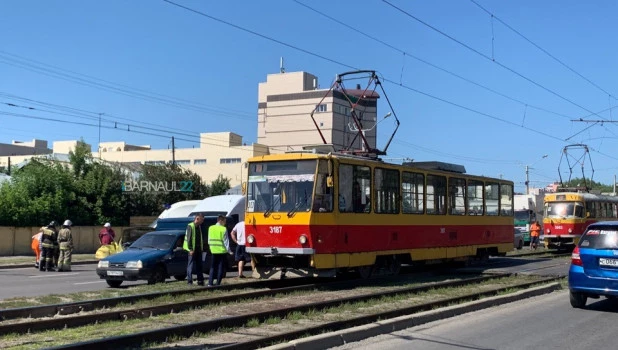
{"x": 334, "y": 339}
{"x": 19, "y": 266}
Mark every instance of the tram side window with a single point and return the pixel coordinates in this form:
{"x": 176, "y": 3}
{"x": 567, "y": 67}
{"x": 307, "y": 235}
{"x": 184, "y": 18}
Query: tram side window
{"x": 354, "y": 189}
{"x": 413, "y": 192}
{"x": 591, "y": 210}
{"x": 506, "y": 200}
{"x": 492, "y": 199}
{"x": 436, "y": 195}
{"x": 323, "y": 200}
{"x": 475, "y": 197}
{"x": 457, "y": 196}
{"x": 386, "y": 191}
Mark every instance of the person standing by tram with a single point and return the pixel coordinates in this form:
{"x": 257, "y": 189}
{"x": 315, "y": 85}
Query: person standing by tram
{"x": 219, "y": 248}
{"x": 65, "y": 242}
{"x": 535, "y": 232}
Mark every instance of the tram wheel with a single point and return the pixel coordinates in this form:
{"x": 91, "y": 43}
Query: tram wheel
{"x": 394, "y": 266}
{"x": 365, "y": 271}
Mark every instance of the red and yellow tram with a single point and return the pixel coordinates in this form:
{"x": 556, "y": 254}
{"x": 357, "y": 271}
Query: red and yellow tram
{"x": 567, "y": 214}
{"x": 317, "y": 214}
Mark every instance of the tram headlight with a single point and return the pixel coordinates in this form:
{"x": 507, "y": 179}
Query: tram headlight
{"x": 250, "y": 239}
{"x": 570, "y": 230}
{"x": 302, "y": 239}
{"x": 548, "y": 231}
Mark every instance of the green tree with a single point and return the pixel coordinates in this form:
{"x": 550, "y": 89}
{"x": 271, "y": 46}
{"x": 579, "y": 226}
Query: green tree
{"x": 593, "y": 185}
{"x": 219, "y": 186}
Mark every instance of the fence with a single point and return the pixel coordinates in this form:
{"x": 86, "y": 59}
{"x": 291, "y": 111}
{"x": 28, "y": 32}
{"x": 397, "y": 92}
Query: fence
{"x": 17, "y": 240}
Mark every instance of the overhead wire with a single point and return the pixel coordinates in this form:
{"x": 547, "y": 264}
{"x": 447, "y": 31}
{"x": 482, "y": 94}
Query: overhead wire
{"x": 407, "y": 54}
{"x": 356, "y": 68}
{"x": 493, "y": 16}
{"x": 76, "y": 78}
{"x": 489, "y": 58}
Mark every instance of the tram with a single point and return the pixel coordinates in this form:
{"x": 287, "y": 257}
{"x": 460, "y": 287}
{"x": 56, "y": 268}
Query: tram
{"x": 323, "y": 214}
{"x": 567, "y": 214}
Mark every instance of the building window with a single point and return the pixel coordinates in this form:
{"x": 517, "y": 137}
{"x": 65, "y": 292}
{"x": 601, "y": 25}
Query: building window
{"x": 155, "y": 162}
{"x": 229, "y": 160}
{"x": 199, "y": 161}
{"x": 183, "y": 162}
{"x": 321, "y": 108}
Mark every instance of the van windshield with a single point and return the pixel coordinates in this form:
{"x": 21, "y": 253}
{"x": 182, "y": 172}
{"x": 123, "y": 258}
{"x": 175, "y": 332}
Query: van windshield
{"x": 281, "y": 186}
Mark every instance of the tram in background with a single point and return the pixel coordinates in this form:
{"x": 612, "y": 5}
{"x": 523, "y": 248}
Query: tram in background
{"x": 567, "y": 214}
{"x": 322, "y": 214}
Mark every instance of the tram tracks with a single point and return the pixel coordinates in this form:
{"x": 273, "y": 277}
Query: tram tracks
{"x": 232, "y": 321}
{"x": 184, "y": 325}
{"x": 100, "y": 315}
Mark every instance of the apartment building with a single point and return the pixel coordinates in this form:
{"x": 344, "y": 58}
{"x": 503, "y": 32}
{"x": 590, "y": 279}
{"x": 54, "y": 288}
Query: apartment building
{"x": 285, "y": 103}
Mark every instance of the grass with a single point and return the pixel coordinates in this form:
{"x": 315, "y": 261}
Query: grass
{"x": 116, "y": 328}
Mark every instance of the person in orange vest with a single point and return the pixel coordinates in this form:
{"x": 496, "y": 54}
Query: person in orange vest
{"x": 36, "y": 246}
{"x": 535, "y": 232}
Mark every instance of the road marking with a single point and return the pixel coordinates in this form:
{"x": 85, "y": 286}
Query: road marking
{"x": 89, "y": 282}
{"x": 55, "y": 275}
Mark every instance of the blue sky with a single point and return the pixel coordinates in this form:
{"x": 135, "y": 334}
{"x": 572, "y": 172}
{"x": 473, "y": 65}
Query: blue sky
{"x": 167, "y": 68}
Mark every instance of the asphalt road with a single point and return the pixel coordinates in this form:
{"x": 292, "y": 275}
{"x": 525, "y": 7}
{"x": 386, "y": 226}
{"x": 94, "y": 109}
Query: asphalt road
{"x": 26, "y": 282}
{"x": 20, "y": 282}
{"x": 544, "y": 322}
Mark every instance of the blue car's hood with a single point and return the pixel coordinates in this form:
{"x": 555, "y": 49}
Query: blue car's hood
{"x": 145, "y": 255}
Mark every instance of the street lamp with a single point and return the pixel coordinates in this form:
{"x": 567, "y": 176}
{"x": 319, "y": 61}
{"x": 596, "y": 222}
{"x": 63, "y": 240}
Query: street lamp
{"x": 353, "y": 128}
{"x": 528, "y": 167}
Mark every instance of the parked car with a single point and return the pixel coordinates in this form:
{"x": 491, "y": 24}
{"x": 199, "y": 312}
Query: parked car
{"x": 518, "y": 241}
{"x": 154, "y": 257}
{"x": 594, "y": 264}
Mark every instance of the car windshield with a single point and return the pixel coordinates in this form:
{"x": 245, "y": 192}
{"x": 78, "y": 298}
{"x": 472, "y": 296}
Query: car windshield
{"x": 154, "y": 241}
{"x": 600, "y": 238}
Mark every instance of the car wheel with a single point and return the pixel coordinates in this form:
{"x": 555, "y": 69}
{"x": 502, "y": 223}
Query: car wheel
{"x": 113, "y": 283}
{"x": 578, "y": 300}
{"x": 180, "y": 277}
{"x": 157, "y": 276}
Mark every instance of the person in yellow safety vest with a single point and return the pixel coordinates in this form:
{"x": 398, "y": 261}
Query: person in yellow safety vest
{"x": 219, "y": 244}
{"x": 194, "y": 244}
{"x": 65, "y": 241}
{"x": 49, "y": 240}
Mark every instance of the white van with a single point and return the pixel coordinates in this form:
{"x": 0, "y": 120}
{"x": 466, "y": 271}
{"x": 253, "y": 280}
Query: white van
{"x": 177, "y": 210}
{"x": 226, "y": 205}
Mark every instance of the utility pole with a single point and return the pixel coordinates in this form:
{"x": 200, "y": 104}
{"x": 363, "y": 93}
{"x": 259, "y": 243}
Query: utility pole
{"x": 173, "y": 152}
{"x": 527, "y": 181}
{"x": 99, "y": 145}
{"x": 9, "y": 168}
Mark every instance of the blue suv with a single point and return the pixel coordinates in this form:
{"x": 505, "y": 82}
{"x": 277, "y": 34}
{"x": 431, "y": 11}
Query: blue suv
{"x": 594, "y": 264}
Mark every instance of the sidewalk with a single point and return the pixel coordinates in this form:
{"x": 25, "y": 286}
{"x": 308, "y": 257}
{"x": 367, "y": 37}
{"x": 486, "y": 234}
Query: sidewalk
{"x": 20, "y": 261}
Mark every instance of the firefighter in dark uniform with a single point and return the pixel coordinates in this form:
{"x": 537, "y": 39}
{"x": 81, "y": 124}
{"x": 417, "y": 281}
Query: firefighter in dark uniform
{"x": 65, "y": 242}
{"x": 49, "y": 240}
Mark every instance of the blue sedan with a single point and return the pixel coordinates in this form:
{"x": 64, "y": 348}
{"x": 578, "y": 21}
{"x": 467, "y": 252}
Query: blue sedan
{"x": 594, "y": 264}
{"x": 153, "y": 257}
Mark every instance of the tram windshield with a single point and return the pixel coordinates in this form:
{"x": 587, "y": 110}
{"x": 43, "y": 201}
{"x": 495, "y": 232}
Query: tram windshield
{"x": 281, "y": 186}
{"x": 564, "y": 210}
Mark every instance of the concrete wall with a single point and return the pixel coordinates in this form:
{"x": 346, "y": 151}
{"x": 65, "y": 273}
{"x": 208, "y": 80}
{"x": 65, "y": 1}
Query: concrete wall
{"x": 17, "y": 240}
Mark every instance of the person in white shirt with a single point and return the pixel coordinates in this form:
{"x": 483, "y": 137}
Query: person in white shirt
{"x": 238, "y": 236}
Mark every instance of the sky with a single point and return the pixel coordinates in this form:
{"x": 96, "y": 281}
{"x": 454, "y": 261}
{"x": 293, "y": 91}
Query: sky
{"x": 492, "y": 85}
